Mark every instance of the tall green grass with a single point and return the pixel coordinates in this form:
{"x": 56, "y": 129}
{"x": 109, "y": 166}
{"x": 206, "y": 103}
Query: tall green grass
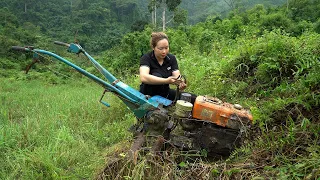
{"x": 277, "y": 77}
{"x": 57, "y": 131}
{"x": 61, "y": 131}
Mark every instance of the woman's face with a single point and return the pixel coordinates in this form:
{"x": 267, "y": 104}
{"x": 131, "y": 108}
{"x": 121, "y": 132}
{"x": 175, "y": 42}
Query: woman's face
{"x": 162, "y": 49}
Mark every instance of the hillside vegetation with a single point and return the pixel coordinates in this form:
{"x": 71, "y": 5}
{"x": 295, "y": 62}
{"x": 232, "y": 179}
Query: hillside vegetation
{"x": 266, "y": 59}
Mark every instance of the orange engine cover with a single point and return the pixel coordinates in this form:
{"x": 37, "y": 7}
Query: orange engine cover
{"x": 221, "y": 113}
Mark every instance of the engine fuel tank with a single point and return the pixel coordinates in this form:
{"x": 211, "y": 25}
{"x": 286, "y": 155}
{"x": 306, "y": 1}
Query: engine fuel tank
{"x": 221, "y": 113}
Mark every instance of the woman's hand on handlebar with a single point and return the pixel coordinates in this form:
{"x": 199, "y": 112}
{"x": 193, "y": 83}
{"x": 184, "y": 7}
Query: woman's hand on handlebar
{"x": 177, "y": 81}
{"x": 173, "y": 80}
{"x": 182, "y": 86}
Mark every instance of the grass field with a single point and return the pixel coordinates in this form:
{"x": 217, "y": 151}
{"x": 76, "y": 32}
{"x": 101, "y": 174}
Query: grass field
{"x": 57, "y": 131}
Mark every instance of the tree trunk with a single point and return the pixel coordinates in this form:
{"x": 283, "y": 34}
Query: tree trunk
{"x": 230, "y": 3}
{"x": 25, "y": 7}
{"x": 152, "y": 18}
{"x": 163, "y": 16}
{"x": 155, "y": 16}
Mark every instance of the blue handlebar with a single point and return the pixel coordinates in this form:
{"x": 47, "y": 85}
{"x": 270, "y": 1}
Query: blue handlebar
{"x": 135, "y": 100}
{"x": 91, "y": 76}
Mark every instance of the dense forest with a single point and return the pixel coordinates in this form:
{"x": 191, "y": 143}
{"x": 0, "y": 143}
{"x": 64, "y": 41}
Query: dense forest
{"x": 262, "y": 54}
{"x": 98, "y": 25}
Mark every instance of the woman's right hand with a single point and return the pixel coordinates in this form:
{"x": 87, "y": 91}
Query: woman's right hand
{"x": 174, "y": 80}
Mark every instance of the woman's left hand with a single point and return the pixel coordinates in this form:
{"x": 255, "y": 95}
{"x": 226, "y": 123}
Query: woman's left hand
{"x": 182, "y": 86}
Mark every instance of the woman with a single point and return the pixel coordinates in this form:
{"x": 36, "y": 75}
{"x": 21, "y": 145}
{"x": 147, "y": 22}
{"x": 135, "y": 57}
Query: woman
{"x": 159, "y": 69}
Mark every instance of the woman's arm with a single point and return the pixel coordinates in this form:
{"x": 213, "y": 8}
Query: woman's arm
{"x": 147, "y": 78}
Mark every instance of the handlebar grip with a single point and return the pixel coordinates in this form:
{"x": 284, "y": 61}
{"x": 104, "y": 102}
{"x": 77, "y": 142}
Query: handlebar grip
{"x": 61, "y": 43}
{"x": 18, "y": 48}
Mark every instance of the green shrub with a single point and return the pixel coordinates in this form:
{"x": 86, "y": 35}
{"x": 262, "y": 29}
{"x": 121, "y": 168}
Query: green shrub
{"x": 316, "y": 26}
{"x": 229, "y": 28}
{"x": 126, "y": 57}
{"x": 299, "y": 28}
{"x": 178, "y": 40}
{"x": 206, "y": 41}
{"x": 274, "y": 21}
